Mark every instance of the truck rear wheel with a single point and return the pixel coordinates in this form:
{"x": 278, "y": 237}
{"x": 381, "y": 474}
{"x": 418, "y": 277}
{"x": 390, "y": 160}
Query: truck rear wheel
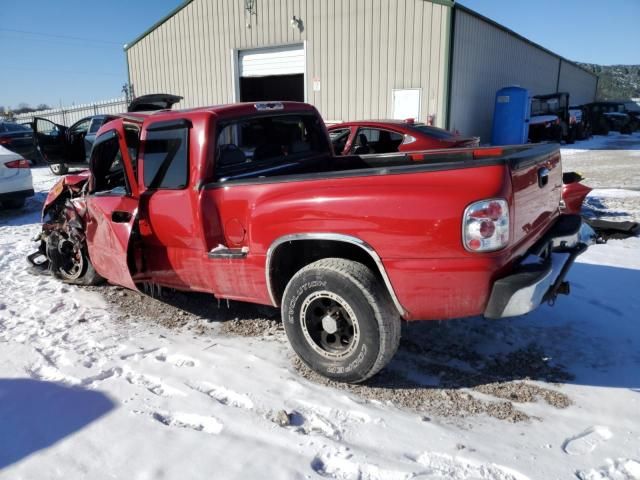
{"x": 340, "y": 320}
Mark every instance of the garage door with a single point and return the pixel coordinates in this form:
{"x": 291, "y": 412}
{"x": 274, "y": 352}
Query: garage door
{"x": 264, "y": 62}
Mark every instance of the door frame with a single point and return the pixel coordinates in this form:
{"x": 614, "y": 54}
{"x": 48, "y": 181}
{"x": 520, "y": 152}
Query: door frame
{"x": 117, "y": 240}
{"x": 235, "y": 67}
{"x": 62, "y": 141}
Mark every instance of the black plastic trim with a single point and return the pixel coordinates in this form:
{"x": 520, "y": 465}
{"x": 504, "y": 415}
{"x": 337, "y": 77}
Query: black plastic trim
{"x": 169, "y": 125}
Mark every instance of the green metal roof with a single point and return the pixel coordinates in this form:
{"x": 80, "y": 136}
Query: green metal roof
{"x": 127, "y": 46}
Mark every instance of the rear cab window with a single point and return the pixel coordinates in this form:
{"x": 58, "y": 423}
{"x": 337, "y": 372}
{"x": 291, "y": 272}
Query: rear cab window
{"x": 267, "y": 145}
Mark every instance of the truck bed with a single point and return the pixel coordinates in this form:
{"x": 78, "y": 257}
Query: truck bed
{"x": 324, "y": 166}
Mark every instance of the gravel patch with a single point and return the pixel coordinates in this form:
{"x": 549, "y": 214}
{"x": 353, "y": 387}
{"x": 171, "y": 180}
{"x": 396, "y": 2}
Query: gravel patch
{"x": 195, "y": 312}
{"x": 523, "y": 392}
{"x": 391, "y": 388}
{"x": 436, "y": 372}
{"x": 253, "y": 327}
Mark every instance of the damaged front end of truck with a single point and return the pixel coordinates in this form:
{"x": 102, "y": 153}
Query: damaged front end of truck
{"x": 62, "y": 247}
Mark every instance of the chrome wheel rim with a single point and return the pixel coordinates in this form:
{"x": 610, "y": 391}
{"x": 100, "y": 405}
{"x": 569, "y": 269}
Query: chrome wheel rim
{"x": 329, "y": 325}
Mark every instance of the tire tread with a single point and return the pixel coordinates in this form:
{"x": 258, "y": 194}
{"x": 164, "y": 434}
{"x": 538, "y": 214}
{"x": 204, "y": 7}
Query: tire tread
{"x": 387, "y": 317}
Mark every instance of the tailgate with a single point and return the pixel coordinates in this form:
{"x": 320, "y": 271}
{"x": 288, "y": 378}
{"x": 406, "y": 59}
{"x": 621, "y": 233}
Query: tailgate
{"x": 536, "y": 175}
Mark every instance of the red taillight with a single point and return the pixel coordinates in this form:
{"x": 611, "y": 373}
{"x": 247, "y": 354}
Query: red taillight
{"x": 22, "y": 163}
{"x": 5, "y": 141}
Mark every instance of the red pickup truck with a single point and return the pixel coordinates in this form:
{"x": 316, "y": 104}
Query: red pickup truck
{"x": 248, "y": 202}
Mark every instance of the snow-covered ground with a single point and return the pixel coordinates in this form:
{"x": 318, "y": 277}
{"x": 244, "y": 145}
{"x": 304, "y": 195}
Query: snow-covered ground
{"x": 84, "y": 394}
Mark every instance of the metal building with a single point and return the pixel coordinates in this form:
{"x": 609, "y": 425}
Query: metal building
{"x": 487, "y": 57}
{"x": 344, "y": 56}
{"x": 352, "y": 59}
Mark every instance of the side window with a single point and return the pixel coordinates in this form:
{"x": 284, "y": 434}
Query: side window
{"x": 374, "y": 140}
{"x": 14, "y": 127}
{"x": 96, "y": 123}
{"x": 81, "y": 126}
{"x": 166, "y": 158}
{"x": 107, "y": 167}
{"x": 46, "y": 127}
{"x": 339, "y": 139}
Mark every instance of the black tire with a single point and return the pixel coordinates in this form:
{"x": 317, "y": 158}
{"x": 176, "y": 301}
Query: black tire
{"x": 14, "y": 202}
{"x": 58, "y": 168}
{"x": 362, "y": 329}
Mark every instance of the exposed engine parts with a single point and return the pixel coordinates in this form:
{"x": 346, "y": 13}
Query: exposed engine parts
{"x": 62, "y": 249}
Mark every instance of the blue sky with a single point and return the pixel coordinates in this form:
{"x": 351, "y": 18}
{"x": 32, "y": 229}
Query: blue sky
{"x": 40, "y": 64}
{"x": 71, "y": 51}
{"x": 591, "y": 31}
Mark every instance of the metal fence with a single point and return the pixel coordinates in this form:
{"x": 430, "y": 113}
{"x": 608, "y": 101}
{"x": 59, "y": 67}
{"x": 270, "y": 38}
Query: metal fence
{"x": 69, "y": 115}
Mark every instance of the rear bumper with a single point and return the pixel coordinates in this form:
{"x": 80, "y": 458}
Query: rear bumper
{"x": 540, "y": 276}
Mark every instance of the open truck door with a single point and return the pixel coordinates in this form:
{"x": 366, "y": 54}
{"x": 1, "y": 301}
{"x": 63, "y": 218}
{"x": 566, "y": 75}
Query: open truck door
{"x": 112, "y": 202}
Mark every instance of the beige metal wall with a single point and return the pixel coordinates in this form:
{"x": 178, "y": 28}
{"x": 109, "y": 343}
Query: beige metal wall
{"x": 359, "y": 50}
{"x": 487, "y": 58}
{"x": 580, "y": 85}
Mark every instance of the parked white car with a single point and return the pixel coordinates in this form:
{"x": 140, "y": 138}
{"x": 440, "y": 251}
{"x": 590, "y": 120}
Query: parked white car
{"x": 15, "y": 179}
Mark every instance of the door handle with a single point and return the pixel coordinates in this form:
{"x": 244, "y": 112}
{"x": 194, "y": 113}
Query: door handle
{"x": 118, "y": 216}
{"x": 543, "y": 177}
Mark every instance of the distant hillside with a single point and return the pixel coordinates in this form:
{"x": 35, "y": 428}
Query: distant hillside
{"x": 617, "y": 82}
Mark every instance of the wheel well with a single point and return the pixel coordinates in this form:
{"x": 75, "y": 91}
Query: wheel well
{"x": 289, "y": 257}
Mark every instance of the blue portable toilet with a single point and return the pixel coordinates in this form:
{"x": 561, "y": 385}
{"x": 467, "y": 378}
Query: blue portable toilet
{"x": 511, "y": 116}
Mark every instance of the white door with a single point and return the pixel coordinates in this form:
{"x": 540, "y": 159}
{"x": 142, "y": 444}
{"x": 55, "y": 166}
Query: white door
{"x": 406, "y": 103}
{"x": 264, "y": 62}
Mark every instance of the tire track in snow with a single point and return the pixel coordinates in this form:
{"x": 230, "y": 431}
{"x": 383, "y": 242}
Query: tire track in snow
{"x": 342, "y": 465}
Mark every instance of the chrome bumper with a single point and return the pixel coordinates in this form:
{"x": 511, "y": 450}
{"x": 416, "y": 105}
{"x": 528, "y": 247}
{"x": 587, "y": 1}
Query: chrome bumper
{"x": 540, "y": 276}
